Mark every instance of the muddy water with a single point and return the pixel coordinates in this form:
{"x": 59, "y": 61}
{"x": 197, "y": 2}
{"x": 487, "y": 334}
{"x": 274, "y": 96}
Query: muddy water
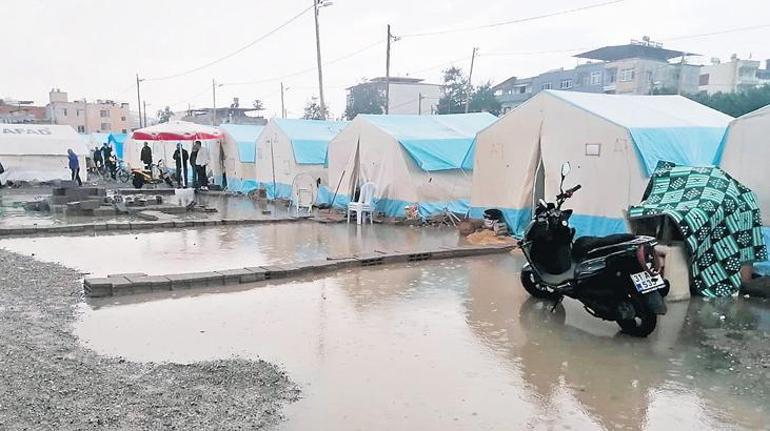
{"x": 441, "y": 345}
{"x": 227, "y": 247}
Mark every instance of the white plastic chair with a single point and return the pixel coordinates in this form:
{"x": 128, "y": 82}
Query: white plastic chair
{"x": 304, "y": 190}
{"x": 364, "y": 204}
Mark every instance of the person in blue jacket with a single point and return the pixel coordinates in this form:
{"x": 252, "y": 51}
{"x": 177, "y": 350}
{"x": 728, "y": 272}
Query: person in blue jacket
{"x": 74, "y": 166}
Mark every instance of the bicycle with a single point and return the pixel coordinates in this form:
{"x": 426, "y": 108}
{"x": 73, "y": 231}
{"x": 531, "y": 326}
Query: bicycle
{"x": 123, "y": 171}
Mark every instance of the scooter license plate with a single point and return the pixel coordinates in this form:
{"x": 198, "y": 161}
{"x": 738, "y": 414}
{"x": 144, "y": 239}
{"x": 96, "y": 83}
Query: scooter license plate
{"x": 645, "y": 283}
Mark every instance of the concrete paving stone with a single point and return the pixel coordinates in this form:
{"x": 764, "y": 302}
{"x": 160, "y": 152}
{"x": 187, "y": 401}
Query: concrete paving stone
{"x": 127, "y": 274}
{"x": 97, "y": 286}
{"x": 233, "y": 276}
{"x": 121, "y": 286}
{"x": 259, "y": 273}
{"x": 182, "y": 281}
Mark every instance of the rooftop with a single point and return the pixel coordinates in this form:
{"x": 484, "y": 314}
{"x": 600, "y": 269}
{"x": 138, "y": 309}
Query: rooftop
{"x": 632, "y": 50}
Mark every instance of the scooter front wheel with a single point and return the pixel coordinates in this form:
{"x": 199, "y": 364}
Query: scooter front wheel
{"x": 640, "y": 326}
{"x": 530, "y": 285}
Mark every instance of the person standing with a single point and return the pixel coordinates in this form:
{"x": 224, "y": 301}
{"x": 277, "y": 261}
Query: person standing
{"x": 201, "y": 161}
{"x": 108, "y": 162}
{"x": 74, "y": 166}
{"x": 180, "y": 157}
{"x": 146, "y": 156}
{"x": 193, "y": 158}
{"x": 98, "y": 160}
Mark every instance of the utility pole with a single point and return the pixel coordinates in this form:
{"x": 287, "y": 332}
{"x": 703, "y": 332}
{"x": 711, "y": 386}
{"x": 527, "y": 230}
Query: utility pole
{"x": 145, "y": 112}
{"x": 387, "y": 74}
{"x": 214, "y": 107}
{"x": 283, "y": 106}
{"x": 318, "y": 56}
{"x": 470, "y": 82}
{"x": 139, "y": 100}
{"x": 419, "y": 104}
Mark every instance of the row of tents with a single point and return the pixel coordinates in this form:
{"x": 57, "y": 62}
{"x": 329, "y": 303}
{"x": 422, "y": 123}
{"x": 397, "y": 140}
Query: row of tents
{"x": 464, "y": 163}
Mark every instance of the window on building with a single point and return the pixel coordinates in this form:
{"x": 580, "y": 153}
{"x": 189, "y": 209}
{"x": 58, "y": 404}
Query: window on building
{"x": 65, "y": 112}
{"x": 498, "y": 93}
{"x": 565, "y": 83}
{"x": 122, "y": 118}
{"x": 626, "y": 75}
{"x": 104, "y": 113}
{"x": 611, "y": 76}
{"x": 81, "y": 129}
{"x": 123, "y": 131}
{"x": 546, "y": 86}
{"x": 704, "y": 79}
{"x": 104, "y": 126}
{"x": 596, "y": 78}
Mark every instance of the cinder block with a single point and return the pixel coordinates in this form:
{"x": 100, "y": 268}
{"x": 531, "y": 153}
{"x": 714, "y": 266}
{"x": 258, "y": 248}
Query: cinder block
{"x": 233, "y": 276}
{"x": 127, "y": 274}
{"x": 97, "y": 287}
{"x": 275, "y": 271}
{"x": 100, "y": 227}
{"x": 89, "y": 205}
{"x": 370, "y": 260}
{"x": 258, "y": 273}
{"x": 121, "y": 286}
{"x": 181, "y": 224}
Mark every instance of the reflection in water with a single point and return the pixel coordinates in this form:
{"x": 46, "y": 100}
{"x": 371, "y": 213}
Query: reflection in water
{"x": 227, "y": 247}
{"x": 444, "y": 345}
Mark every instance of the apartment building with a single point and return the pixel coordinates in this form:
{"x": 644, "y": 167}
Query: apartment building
{"x": 640, "y": 67}
{"x": 732, "y": 76}
{"x": 88, "y": 117}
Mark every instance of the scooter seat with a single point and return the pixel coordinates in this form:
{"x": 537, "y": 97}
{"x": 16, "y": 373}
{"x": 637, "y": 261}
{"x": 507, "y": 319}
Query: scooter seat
{"x": 585, "y": 244}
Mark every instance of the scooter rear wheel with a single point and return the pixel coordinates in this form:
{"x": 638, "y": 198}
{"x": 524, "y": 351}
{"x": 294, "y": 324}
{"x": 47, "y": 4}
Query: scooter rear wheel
{"x": 530, "y": 285}
{"x": 640, "y": 326}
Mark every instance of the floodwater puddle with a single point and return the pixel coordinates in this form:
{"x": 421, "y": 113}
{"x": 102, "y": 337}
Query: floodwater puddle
{"x": 453, "y": 344}
{"x": 225, "y": 247}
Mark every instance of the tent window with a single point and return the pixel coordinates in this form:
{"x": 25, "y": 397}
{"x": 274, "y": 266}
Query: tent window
{"x": 594, "y": 150}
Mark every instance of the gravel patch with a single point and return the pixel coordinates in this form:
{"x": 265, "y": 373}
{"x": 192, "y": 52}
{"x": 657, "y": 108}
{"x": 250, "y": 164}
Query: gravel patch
{"x": 49, "y": 381}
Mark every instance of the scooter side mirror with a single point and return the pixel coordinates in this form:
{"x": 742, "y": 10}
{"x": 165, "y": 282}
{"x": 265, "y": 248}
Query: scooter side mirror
{"x": 565, "y": 169}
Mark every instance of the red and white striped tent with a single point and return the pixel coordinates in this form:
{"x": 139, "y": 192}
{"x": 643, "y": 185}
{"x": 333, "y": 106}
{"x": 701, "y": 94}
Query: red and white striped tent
{"x": 164, "y": 137}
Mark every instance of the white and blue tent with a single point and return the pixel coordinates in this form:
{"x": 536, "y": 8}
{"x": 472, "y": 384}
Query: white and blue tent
{"x": 240, "y": 153}
{"x": 745, "y": 157}
{"x": 290, "y": 147}
{"x": 423, "y": 160}
{"x": 613, "y": 143}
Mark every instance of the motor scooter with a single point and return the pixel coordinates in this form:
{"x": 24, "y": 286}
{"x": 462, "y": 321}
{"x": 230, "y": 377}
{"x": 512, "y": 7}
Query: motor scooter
{"x": 157, "y": 174}
{"x": 616, "y": 277}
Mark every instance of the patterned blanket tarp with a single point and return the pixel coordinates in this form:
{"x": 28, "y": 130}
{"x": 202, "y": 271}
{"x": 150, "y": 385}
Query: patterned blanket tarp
{"x": 718, "y": 218}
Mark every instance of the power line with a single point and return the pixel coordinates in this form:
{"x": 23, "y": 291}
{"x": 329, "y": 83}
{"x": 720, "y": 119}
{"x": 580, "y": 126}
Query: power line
{"x": 714, "y": 33}
{"x": 311, "y": 69}
{"x": 514, "y": 21}
{"x": 236, "y": 52}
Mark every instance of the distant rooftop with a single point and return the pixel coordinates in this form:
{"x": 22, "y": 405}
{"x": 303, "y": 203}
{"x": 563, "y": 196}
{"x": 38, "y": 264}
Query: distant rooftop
{"x": 633, "y": 50}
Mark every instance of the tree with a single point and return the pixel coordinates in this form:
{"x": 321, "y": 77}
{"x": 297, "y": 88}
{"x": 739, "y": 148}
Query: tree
{"x": 165, "y": 114}
{"x": 737, "y": 103}
{"x": 258, "y": 105}
{"x": 313, "y": 110}
{"x": 365, "y": 98}
{"x": 455, "y": 92}
{"x": 484, "y": 100}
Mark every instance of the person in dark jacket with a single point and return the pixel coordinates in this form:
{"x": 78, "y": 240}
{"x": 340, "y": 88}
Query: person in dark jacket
{"x": 74, "y": 166}
{"x": 98, "y": 160}
{"x": 180, "y": 157}
{"x": 108, "y": 161}
{"x": 146, "y": 156}
{"x": 193, "y": 158}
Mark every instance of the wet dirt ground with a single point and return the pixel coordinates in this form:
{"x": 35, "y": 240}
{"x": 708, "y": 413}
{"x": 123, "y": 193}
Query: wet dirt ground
{"x": 456, "y": 344}
{"x": 225, "y": 247}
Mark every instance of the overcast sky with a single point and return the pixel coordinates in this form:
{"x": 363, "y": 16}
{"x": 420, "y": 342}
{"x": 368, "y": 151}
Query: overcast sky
{"x": 94, "y": 48}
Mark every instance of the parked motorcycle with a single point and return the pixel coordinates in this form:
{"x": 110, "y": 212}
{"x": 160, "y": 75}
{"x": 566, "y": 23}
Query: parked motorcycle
{"x": 615, "y": 277}
{"x": 157, "y": 174}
